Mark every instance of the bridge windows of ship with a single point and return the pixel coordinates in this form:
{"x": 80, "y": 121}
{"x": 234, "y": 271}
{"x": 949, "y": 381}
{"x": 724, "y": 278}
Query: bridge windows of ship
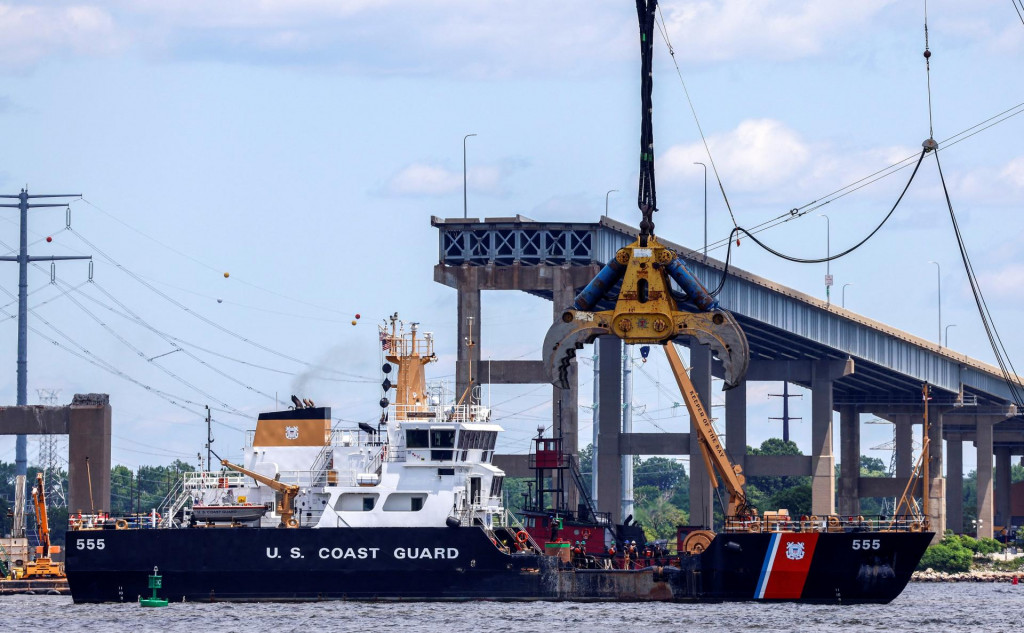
{"x": 404, "y": 502}
{"x": 496, "y": 484}
{"x": 356, "y": 502}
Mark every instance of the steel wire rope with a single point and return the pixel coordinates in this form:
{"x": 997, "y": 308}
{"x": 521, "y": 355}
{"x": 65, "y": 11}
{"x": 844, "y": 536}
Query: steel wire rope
{"x": 199, "y": 316}
{"x": 995, "y": 340}
{"x": 168, "y": 452}
{"x": 142, "y": 322}
{"x": 885, "y": 172}
{"x": 144, "y": 357}
{"x": 98, "y": 362}
{"x": 1018, "y": 6}
{"x": 65, "y": 292}
{"x": 800, "y": 260}
{"x": 204, "y": 264}
{"x": 33, "y": 307}
{"x": 182, "y": 341}
{"x": 243, "y": 305}
{"x": 663, "y": 28}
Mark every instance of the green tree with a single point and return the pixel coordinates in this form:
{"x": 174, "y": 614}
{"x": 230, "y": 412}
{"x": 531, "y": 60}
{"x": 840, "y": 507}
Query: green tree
{"x": 657, "y": 514}
{"x": 773, "y": 493}
{"x": 586, "y": 462}
{"x": 796, "y": 499}
{"x": 872, "y": 467}
{"x": 663, "y": 473}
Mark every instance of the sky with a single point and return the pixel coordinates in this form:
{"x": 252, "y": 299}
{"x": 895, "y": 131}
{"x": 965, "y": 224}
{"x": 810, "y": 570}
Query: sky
{"x": 256, "y": 173}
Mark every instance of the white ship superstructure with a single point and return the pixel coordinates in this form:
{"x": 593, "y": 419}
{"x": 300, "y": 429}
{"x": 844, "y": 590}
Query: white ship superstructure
{"x": 424, "y": 464}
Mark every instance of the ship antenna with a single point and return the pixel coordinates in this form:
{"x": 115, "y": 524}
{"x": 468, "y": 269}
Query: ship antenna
{"x": 469, "y": 344}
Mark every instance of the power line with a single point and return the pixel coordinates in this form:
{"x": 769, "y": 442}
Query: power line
{"x": 197, "y": 315}
{"x": 202, "y": 263}
{"x": 177, "y": 341}
{"x": 92, "y": 359}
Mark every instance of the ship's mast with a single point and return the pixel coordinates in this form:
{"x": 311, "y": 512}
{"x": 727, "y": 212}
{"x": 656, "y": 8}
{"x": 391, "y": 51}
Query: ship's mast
{"x": 411, "y": 352}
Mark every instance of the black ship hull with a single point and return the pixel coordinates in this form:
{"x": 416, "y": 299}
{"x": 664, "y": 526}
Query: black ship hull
{"x": 239, "y": 564}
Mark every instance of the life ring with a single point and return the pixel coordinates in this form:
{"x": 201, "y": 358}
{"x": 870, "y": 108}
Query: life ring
{"x": 586, "y": 534}
{"x": 522, "y": 536}
{"x": 292, "y": 522}
{"x": 754, "y": 527}
{"x": 121, "y": 524}
{"x": 833, "y": 522}
{"x": 915, "y": 526}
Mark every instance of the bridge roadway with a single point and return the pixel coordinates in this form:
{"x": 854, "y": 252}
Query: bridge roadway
{"x": 851, "y": 364}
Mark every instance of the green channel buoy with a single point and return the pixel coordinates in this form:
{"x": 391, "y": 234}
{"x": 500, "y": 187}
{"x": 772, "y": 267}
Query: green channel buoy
{"x": 156, "y": 581}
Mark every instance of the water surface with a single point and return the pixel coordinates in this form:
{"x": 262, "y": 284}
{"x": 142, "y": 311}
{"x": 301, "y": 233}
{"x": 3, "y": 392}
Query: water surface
{"x": 943, "y": 607}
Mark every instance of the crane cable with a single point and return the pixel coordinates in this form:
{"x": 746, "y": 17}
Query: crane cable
{"x": 1006, "y": 367}
{"x": 820, "y": 260}
{"x": 663, "y": 28}
{"x": 647, "y": 199}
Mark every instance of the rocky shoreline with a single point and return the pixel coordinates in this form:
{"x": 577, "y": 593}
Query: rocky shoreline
{"x": 975, "y": 575}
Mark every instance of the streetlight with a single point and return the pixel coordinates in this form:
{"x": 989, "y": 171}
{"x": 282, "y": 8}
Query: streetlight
{"x": 465, "y": 212}
{"x": 947, "y": 332}
{"x": 828, "y": 257}
{"x": 610, "y": 191}
{"x": 705, "y": 208}
{"x": 938, "y": 282}
{"x": 844, "y": 292}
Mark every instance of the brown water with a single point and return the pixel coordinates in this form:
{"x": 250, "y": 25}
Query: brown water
{"x": 922, "y": 607}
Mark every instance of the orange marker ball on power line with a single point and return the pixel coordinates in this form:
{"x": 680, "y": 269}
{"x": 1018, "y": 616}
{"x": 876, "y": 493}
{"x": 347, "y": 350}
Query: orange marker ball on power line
{"x": 357, "y": 315}
{"x": 353, "y": 322}
{"x": 226, "y": 275}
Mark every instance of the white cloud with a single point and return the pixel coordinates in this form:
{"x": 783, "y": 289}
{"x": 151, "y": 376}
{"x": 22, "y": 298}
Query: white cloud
{"x": 999, "y": 184}
{"x": 29, "y": 34}
{"x": 422, "y": 179}
{"x": 767, "y": 158}
{"x": 767, "y": 29}
{"x": 758, "y": 154}
{"x": 1005, "y": 282}
{"x": 1013, "y": 173}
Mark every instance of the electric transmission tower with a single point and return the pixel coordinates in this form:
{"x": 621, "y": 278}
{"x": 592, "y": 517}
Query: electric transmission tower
{"x": 52, "y": 451}
{"x": 785, "y": 395}
{"x": 23, "y": 259}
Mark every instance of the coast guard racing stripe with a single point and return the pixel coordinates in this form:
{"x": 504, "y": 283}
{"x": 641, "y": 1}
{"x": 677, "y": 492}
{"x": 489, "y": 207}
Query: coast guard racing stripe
{"x": 785, "y": 566}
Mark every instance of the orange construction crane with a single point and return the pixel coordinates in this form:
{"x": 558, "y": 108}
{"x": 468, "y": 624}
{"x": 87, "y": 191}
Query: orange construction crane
{"x": 43, "y": 566}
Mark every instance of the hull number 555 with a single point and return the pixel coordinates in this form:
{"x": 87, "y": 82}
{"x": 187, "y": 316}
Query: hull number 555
{"x": 91, "y": 543}
{"x": 861, "y": 543}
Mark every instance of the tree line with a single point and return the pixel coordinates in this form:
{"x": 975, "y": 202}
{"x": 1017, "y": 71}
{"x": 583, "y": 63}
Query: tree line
{"x": 131, "y": 491}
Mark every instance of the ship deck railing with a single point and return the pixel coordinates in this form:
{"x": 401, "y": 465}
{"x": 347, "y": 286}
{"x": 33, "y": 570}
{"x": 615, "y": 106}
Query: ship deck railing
{"x": 206, "y": 479}
{"x": 830, "y": 523}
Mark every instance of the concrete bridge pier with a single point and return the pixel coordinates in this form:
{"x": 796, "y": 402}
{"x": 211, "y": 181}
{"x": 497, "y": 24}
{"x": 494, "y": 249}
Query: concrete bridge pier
{"x": 955, "y": 482}
{"x": 983, "y": 444}
{"x": 609, "y": 416}
{"x": 736, "y": 425}
{"x": 849, "y": 460}
{"x": 1002, "y": 487}
{"x": 701, "y": 496}
{"x": 904, "y": 444}
{"x": 823, "y": 484}
{"x": 936, "y": 479}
